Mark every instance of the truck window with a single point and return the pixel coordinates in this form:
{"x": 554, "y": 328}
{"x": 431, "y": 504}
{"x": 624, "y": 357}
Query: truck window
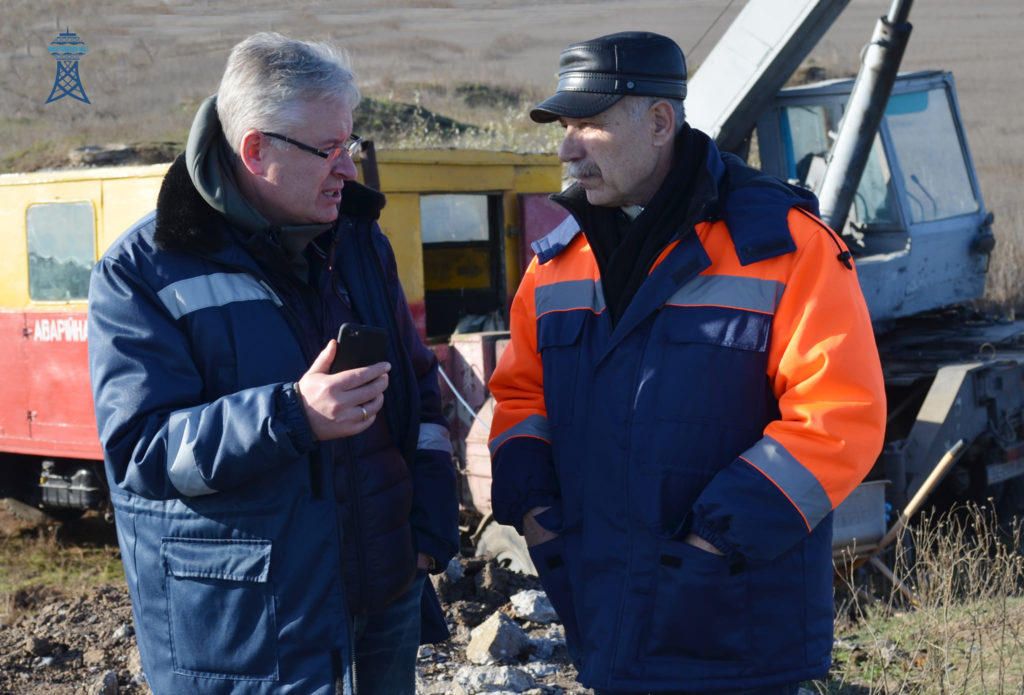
{"x": 807, "y": 132}
{"x": 874, "y": 202}
{"x": 805, "y": 136}
{"x": 61, "y": 250}
{"x": 930, "y": 155}
{"x": 463, "y": 255}
{"x": 453, "y": 217}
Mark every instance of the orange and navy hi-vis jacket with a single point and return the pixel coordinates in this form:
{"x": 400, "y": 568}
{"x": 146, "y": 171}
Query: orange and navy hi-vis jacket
{"x": 738, "y": 397}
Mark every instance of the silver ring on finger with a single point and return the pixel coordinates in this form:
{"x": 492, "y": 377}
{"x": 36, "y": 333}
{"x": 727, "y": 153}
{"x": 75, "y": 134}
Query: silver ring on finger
{"x": 365, "y": 414}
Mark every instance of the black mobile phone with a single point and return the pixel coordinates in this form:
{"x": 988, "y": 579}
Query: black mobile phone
{"x": 359, "y": 346}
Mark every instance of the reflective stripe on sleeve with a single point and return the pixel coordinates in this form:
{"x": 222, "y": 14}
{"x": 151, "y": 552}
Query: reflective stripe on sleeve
{"x": 435, "y": 437}
{"x": 183, "y": 470}
{"x": 217, "y": 289}
{"x": 751, "y": 294}
{"x": 533, "y": 426}
{"x": 791, "y": 477}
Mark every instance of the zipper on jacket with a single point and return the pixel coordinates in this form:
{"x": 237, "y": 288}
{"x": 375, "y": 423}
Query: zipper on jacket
{"x": 349, "y": 461}
{"x": 316, "y": 478}
{"x": 338, "y": 670}
{"x": 316, "y": 487}
{"x": 623, "y": 599}
{"x": 355, "y": 667}
{"x": 348, "y": 453}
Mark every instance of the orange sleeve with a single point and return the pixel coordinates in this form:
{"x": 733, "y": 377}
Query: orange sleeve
{"x": 518, "y": 381}
{"x": 824, "y": 367}
{"x": 825, "y": 373}
{"x": 522, "y": 467}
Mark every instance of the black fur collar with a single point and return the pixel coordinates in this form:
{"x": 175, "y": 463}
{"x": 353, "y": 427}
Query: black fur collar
{"x": 184, "y": 221}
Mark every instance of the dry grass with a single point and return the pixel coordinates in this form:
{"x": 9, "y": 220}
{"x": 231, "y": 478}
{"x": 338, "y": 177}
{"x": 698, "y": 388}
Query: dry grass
{"x": 966, "y": 633}
{"x": 1005, "y": 286}
{"x": 73, "y": 556}
{"x": 496, "y": 116}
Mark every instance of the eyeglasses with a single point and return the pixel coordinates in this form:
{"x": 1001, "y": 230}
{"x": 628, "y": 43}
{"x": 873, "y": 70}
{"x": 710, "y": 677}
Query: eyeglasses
{"x": 351, "y": 146}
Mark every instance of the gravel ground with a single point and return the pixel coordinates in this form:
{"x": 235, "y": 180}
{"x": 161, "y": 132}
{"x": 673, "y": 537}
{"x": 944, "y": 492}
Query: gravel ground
{"x": 80, "y": 641}
{"x": 65, "y": 643}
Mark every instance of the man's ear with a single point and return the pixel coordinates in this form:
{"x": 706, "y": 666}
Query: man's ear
{"x": 250, "y": 152}
{"x": 663, "y": 122}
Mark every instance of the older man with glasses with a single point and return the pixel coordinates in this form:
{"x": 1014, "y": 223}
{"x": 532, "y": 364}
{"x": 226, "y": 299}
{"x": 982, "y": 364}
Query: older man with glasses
{"x": 276, "y": 520}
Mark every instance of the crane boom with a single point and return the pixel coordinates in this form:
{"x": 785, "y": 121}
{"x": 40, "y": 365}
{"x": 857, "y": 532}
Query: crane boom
{"x": 755, "y": 57}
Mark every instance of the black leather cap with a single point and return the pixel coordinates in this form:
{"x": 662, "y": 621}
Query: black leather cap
{"x": 593, "y": 75}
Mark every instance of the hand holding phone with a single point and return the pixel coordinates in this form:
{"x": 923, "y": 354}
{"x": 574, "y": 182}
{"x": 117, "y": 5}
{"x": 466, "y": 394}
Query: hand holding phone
{"x": 359, "y": 346}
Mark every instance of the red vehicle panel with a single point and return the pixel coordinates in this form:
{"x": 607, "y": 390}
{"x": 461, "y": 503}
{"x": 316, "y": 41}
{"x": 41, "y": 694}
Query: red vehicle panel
{"x": 47, "y": 407}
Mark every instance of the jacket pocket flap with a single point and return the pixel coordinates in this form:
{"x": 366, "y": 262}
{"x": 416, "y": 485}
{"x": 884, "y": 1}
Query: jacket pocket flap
{"x": 742, "y": 330}
{"x": 560, "y": 328}
{"x": 237, "y": 560}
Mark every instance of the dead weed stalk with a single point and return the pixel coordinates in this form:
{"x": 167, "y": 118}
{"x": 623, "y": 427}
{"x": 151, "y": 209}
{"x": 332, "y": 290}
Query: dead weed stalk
{"x": 959, "y": 632}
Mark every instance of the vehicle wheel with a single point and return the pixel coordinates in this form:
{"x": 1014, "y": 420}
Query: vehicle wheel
{"x": 506, "y": 546}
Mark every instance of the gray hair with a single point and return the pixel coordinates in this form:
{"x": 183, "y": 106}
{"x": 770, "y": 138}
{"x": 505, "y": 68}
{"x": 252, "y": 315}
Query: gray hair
{"x": 637, "y": 106}
{"x": 269, "y": 78}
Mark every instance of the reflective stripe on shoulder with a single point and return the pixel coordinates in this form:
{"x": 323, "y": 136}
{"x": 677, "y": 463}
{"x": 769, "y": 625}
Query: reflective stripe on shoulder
{"x": 791, "y": 477}
{"x": 183, "y": 470}
{"x": 434, "y": 437}
{"x": 217, "y": 289}
{"x": 569, "y": 294}
{"x": 733, "y": 291}
{"x": 533, "y": 426}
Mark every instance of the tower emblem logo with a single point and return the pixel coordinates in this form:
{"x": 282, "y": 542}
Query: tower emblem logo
{"x": 67, "y": 49}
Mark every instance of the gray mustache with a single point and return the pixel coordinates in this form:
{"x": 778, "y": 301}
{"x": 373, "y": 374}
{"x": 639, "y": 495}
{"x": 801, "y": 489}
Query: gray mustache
{"x": 579, "y": 170}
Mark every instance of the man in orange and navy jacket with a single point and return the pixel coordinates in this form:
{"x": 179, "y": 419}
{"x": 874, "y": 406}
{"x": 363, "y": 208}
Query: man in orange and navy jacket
{"x": 692, "y": 386}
